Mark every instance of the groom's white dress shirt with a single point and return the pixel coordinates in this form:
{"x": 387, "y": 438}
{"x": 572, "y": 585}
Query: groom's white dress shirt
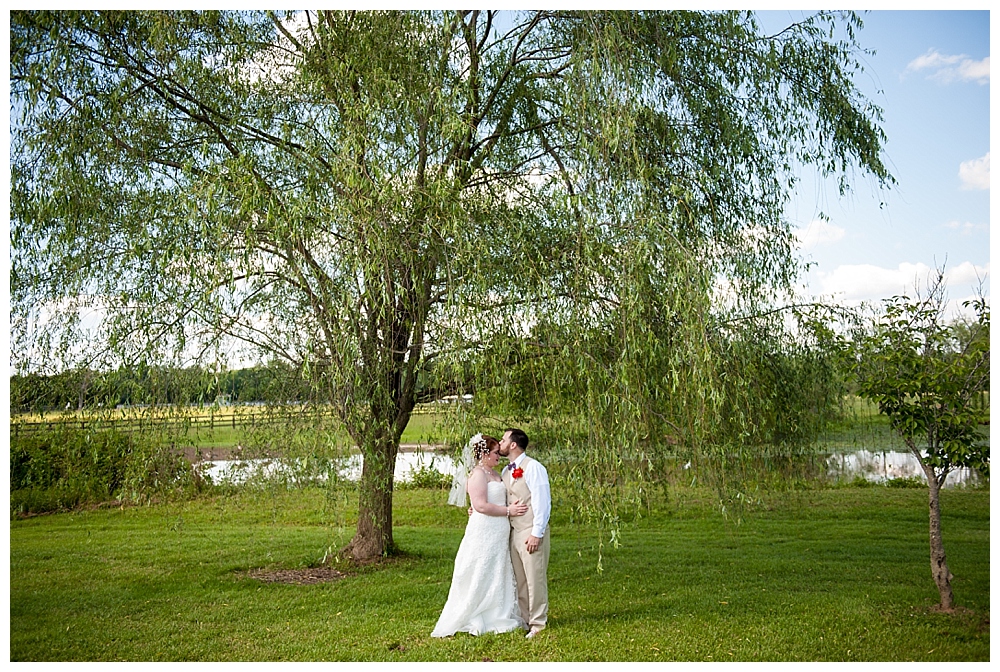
{"x": 537, "y": 480}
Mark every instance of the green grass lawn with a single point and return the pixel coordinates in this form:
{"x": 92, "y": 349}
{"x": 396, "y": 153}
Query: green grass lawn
{"x": 838, "y": 574}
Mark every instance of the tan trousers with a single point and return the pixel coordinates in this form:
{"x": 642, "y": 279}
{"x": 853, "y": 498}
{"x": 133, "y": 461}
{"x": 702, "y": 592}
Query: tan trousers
{"x": 531, "y": 574}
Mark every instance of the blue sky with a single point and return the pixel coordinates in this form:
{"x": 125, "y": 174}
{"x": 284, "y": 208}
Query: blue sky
{"x": 930, "y": 75}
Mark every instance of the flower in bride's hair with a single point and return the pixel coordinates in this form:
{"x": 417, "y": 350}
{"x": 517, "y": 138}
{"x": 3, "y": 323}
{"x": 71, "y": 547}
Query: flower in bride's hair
{"x": 479, "y": 447}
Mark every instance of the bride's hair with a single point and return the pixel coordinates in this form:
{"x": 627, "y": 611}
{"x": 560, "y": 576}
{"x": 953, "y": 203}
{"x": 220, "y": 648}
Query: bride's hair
{"x": 482, "y": 448}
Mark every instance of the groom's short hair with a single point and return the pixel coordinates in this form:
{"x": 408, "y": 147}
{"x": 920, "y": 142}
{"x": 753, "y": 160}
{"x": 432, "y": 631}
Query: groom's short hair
{"x": 519, "y": 437}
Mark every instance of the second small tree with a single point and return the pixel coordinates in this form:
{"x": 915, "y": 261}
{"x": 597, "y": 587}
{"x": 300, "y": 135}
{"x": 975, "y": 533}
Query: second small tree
{"x": 928, "y": 376}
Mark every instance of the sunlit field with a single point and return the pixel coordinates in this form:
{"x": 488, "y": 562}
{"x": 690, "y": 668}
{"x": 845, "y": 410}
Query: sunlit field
{"x": 822, "y": 575}
{"x": 215, "y": 426}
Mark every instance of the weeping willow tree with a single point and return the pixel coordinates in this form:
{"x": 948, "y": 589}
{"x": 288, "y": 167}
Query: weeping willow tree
{"x": 373, "y": 195}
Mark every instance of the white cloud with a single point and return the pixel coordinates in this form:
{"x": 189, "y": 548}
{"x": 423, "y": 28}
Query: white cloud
{"x": 966, "y": 273}
{"x": 818, "y": 232}
{"x": 966, "y": 228}
{"x": 975, "y": 173}
{"x": 976, "y": 71}
{"x": 948, "y": 68}
{"x": 866, "y": 282}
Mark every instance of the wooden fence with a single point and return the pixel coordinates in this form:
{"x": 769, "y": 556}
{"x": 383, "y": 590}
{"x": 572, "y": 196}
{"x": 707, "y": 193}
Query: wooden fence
{"x": 201, "y": 421}
{"x": 209, "y": 422}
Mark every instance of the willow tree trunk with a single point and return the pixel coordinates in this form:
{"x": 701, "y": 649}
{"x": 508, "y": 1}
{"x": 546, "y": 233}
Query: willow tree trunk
{"x": 939, "y": 564}
{"x": 373, "y": 536}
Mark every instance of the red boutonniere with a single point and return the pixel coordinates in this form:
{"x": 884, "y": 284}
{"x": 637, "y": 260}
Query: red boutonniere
{"x": 517, "y": 473}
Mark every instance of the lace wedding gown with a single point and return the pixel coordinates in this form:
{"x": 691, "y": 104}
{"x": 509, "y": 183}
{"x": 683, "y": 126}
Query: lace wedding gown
{"x": 483, "y": 597}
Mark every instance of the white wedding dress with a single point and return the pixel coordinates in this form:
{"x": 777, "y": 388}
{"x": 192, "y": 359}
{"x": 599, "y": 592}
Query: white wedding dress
{"x": 483, "y": 596}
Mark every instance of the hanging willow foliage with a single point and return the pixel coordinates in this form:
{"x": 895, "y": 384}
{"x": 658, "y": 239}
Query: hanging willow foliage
{"x": 547, "y": 202}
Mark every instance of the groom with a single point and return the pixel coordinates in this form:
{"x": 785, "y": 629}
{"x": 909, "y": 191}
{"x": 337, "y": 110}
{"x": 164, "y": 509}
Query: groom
{"x": 528, "y": 482}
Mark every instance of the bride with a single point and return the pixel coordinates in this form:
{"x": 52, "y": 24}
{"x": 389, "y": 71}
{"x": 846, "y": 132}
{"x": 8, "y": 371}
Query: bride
{"x": 483, "y": 597}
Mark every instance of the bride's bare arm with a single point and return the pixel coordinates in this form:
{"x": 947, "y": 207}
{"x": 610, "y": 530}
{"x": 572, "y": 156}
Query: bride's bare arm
{"x": 477, "y": 486}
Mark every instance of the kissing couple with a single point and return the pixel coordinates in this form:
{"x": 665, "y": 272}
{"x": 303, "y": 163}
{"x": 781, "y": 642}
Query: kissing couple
{"x": 500, "y": 580}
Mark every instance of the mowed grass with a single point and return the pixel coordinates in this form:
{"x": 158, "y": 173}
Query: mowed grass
{"x": 839, "y": 574}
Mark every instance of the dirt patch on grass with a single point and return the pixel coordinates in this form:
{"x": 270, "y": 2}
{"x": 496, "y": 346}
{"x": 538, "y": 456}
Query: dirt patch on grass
{"x": 972, "y": 618}
{"x": 298, "y": 577}
{"x": 956, "y": 610}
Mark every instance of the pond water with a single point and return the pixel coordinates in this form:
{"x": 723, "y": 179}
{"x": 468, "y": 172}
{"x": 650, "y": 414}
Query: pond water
{"x": 884, "y": 466}
{"x": 873, "y": 466}
{"x": 238, "y": 471}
